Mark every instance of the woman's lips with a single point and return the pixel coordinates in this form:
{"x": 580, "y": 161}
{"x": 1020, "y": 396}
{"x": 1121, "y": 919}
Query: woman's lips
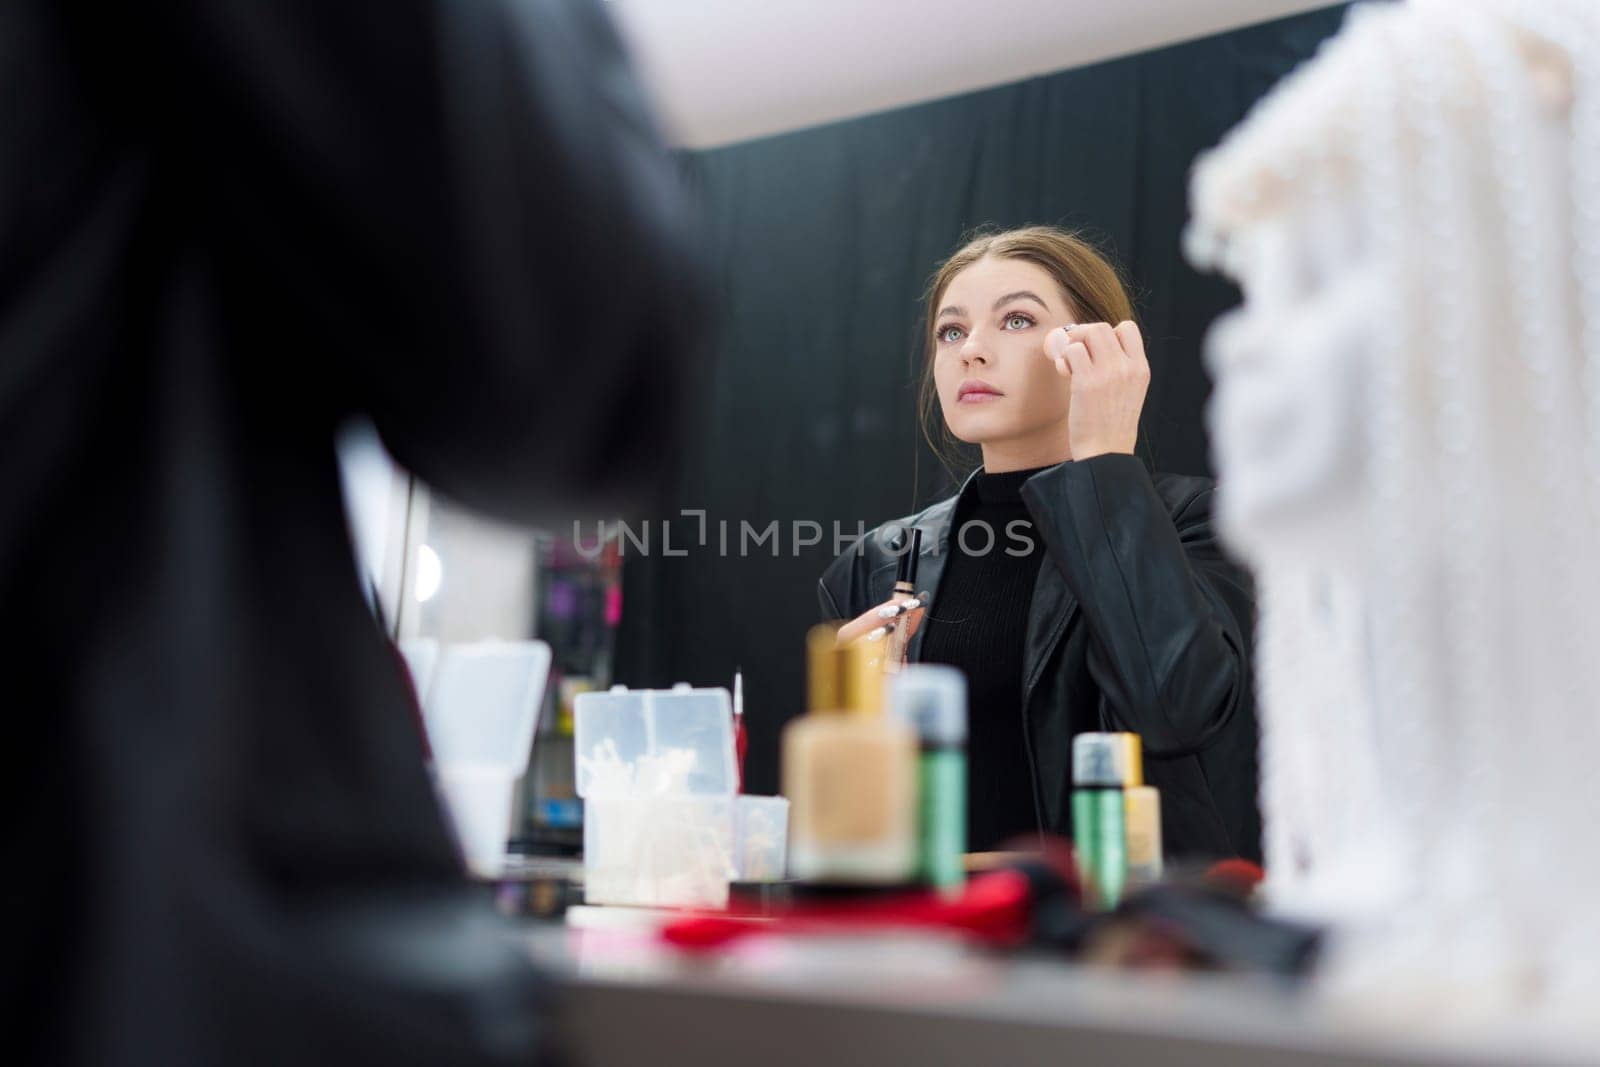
{"x": 977, "y": 393}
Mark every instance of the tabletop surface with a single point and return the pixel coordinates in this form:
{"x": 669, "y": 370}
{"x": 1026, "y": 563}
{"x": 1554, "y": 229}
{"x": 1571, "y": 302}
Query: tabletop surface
{"x": 932, "y": 1000}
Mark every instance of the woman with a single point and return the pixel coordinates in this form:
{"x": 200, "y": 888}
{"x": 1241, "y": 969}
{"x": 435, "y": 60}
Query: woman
{"x": 1075, "y": 589}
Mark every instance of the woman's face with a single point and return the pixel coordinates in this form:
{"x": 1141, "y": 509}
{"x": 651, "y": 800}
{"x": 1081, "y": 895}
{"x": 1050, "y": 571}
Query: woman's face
{"x": 995, "y": 382}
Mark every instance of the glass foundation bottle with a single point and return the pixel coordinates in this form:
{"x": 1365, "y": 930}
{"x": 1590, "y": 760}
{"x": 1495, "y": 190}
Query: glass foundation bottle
{"x": 849, "y": 771}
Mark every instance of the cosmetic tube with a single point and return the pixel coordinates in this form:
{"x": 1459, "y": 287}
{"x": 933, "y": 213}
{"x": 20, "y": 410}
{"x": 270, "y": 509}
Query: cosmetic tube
{"x": 932, "y": 700}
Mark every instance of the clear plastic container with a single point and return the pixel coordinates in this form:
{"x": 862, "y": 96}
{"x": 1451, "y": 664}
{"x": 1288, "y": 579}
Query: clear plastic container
{"x": 483, "y": 703}
{"x": 654, "y": 741}
{"x": 671, "y": 850}
{"x": 480, "y": 710}
{"x": 761, "y": 838}
{"x": 479, "y": 801}
{"x": 657, "y": 772}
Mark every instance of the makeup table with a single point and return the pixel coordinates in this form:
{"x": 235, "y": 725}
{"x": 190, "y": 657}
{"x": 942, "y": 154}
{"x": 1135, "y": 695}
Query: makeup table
{"x": 926, "y": 1001}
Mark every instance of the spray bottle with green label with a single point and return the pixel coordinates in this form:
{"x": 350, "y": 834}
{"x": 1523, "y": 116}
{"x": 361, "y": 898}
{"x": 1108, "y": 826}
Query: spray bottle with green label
{"x": 1105, "y": 768}
{"x": 932, "y": 699}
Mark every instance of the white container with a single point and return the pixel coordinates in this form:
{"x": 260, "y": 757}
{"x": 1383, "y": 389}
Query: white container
{"x": 479, "y": 802}
{"x": 657, "y": 772}
{"x": 483, "y": 702}
{"x": 662, "y": 739}
{"x": 761, "y": 838}
{"x": 480, "y": 711}
{"x": 671, "y": 851}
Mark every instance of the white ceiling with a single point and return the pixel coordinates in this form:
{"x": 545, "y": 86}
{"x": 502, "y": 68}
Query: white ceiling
{"x": 729, "y": 70}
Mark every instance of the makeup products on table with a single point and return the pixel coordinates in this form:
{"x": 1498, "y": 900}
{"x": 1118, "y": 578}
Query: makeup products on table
{"x": 1116, "y": 818}
{"x": 905, "y": 586}
{"x": 849, "y": 771}
{"x": 1143, "y": 816}
{"x": 932, "y": 699}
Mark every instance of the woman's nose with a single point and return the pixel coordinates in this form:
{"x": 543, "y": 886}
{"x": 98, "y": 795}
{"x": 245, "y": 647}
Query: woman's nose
{"x": 972, "y": 352}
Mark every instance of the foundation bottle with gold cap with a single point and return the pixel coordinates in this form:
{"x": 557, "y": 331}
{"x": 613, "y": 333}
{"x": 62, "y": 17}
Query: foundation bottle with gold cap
{"x": 849, "y": 771}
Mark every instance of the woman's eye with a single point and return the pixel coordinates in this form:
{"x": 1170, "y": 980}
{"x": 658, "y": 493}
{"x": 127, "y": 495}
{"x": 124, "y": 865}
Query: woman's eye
{"x": 1018, "y": 317}
{"x": 948, "y": 334}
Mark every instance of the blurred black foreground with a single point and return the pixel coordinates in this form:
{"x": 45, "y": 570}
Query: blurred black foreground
{"x": 226, "y": 228}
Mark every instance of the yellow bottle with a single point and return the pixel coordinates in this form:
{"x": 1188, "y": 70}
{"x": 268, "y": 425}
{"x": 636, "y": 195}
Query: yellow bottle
{"x": 849, "y": 772}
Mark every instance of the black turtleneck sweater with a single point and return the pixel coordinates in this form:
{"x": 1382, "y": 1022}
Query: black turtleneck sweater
{"x": 978, "y": 622}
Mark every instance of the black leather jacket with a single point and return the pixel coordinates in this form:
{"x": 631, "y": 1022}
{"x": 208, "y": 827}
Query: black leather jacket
{"x": 1138, "y": 622}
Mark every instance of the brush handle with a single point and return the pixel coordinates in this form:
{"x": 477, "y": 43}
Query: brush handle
{"x": 741, "y": 741}
{"x": 895, "y": 657}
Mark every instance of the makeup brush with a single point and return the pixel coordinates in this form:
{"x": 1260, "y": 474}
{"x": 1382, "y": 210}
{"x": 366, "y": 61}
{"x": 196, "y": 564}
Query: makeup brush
{"x": 905, "y": 585}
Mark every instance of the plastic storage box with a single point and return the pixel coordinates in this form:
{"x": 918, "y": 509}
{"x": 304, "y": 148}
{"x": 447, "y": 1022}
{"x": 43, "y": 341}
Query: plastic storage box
{"x": 657, "y": 772}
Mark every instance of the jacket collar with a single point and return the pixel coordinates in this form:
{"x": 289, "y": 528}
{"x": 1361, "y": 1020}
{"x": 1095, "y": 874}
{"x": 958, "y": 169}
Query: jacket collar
{"x": 1053, "y": 607}
{"x": 935, "y": 523}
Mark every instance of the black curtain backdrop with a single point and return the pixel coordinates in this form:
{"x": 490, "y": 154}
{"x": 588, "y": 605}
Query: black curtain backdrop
{"x": 824, "y": 240}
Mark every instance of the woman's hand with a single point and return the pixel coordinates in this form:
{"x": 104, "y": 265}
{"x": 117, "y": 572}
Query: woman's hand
{"x": 1109, "y": 375}
{"x": 863, "y": 625}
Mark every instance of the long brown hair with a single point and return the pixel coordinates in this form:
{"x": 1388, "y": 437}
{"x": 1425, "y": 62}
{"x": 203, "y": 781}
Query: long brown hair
{"x": 1084, "y": 274}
